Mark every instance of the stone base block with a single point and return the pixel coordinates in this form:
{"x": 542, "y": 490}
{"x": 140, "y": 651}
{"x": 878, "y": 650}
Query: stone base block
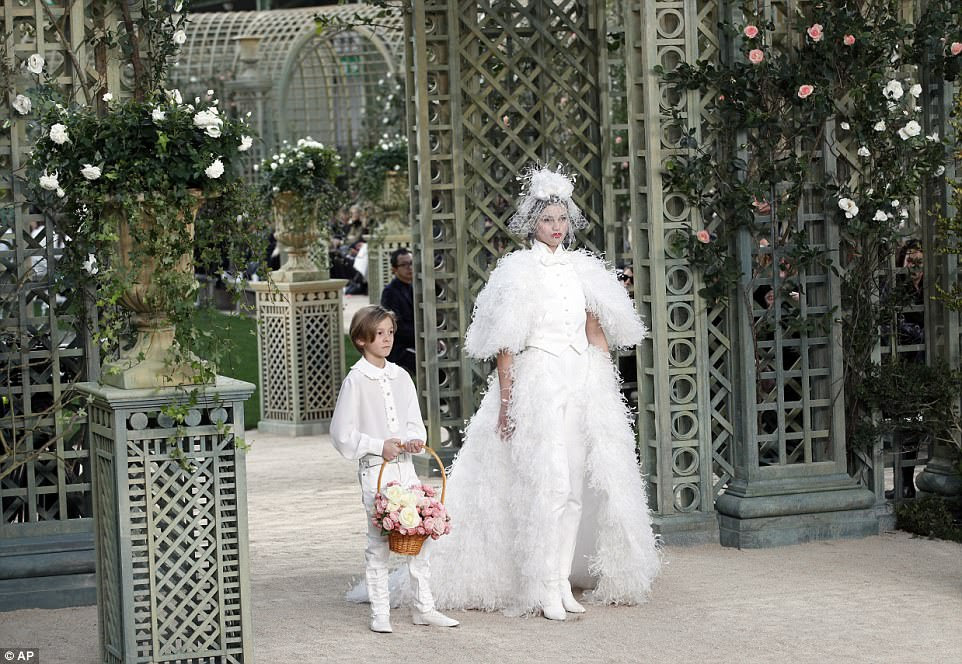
{"x": 772, "y": 531}
{"x": 47, "y": 572}
{"x": 687, "y": 529}
{"x": 426, "y": 466}
{"x": 293, "y": 429}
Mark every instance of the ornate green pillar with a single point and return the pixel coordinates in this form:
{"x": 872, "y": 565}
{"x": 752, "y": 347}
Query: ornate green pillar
{"x": 170, "y": 513}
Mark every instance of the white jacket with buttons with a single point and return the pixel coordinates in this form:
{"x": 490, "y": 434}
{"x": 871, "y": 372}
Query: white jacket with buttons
{"x": 374, "y": 405}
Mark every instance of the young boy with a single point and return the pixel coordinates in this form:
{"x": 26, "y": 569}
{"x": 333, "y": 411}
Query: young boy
{"x": 376, "y": 419}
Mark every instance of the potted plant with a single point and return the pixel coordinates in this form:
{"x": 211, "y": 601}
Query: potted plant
{"x": 377, "y": 171}
{"x": 125, "y": 179}
{"x": 299, "y": 185}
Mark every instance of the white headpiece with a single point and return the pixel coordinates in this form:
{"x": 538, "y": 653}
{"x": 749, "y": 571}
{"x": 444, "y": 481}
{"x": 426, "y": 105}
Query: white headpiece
{"x": 543, "y": 187}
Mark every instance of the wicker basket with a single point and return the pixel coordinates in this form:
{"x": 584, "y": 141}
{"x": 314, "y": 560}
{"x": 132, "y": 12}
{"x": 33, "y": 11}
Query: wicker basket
{"x": 410, "y": 545}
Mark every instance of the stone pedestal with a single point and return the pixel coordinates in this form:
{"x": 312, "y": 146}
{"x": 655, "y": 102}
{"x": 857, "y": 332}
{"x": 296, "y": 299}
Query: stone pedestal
{"x": 942, "y": 474}
{"x": 170, "y": 514}
{"x": 300, "y": 349}
{"x": 379, "y": 272}
{"x": 775, "y": 512}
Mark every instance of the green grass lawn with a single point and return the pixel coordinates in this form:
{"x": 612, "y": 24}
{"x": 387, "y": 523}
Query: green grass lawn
{"x": 239, "y": 334}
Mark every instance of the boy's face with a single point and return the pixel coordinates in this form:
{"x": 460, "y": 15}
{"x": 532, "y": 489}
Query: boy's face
{"x": 377, "y": 350}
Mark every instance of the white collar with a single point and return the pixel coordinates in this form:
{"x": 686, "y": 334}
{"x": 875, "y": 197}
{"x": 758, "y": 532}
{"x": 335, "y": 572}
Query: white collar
{"x": 390, "y": 369}
{"x": 540, "y": 247}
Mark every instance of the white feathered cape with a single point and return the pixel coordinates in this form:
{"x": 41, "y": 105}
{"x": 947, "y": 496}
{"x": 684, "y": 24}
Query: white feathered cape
{"x": 493, "y": 559}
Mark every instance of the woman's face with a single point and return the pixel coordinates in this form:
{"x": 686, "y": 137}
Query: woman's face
{"x": 552, "y": 225}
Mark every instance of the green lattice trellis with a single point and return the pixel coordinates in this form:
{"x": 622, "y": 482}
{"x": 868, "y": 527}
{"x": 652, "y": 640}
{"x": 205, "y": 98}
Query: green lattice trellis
{"x": 495, "y": 85}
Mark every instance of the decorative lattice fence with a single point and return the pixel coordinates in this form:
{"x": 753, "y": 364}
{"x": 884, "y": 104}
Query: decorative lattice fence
{"x": 494, "y": 86}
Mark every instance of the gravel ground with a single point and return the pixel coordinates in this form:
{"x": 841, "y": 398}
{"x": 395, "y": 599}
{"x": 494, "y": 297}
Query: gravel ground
{"x": 891, "y": 598}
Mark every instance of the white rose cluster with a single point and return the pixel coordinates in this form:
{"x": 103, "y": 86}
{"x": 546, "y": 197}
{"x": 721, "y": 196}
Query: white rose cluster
{"x": 849, "y": 207}
{"x": 210, "y": 121}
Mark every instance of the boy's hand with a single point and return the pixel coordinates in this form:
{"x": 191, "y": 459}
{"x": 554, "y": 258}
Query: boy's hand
{"x": 414, "y": 446}
{"x": 392, "y": 447}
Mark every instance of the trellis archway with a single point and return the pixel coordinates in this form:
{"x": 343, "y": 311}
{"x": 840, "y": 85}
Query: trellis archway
{"x": 322, "y": 85}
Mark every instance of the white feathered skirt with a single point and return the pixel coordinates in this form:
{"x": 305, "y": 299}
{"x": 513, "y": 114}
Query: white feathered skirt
{"x": 498, "y": 493}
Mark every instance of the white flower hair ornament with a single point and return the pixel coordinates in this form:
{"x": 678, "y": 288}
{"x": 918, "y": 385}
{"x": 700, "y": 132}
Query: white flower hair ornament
{"x": 543, "y": 187}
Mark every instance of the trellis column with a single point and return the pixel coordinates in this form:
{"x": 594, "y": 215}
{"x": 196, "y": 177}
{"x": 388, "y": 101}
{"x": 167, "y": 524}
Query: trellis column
{"x": 791, "y": 480}
{"x": 170, "y": 512}
{"x": 683, "y": 395}
{"x": 943, "y": 340}
{"x": 300, "y": 351}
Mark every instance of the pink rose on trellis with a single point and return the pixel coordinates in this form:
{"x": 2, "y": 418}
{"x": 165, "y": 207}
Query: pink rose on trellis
{"x": 848, "y": 40}
{"x": 955, "y": 48}
{"x": 617, "y": 139}
{"x": 703, "y": 236}
{"x": 805, "y": 91}
{"x": 751, "y": 31}
{"x": 756, "y": 55}
{"x": 815, "y": 32}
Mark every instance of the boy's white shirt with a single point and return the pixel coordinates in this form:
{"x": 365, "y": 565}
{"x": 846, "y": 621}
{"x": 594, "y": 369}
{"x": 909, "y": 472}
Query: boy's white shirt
{"x": 375, "y": 404}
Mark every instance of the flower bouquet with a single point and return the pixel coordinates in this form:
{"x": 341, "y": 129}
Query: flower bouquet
{"x": 409, "y": 516}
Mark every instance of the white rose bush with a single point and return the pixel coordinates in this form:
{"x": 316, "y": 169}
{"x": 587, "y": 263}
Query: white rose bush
{"x": 105, "y": 166}
{"x": 414, "y": 511}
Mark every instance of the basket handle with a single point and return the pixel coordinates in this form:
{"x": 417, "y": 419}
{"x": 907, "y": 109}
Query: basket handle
{"x": 444, "y": 475}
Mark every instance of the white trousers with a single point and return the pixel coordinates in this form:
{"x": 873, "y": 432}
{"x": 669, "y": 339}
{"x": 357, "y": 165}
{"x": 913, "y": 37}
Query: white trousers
{"x": 564, "y": 399}
{"x": 377, "y": 552}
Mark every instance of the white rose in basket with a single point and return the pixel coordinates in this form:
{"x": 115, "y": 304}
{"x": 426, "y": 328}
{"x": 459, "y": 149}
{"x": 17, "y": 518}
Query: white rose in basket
{"x": 409, "y": 517}
{"x": 393, "y": 493}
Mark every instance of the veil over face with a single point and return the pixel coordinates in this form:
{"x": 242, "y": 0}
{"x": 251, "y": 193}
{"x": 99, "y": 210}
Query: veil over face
{"x": 543, "y": 187}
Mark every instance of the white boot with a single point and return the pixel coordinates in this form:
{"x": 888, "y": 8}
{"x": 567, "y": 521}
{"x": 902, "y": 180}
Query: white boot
{"x": 381, "y": 623}
{"x": 551, "y": 605}
{"x": 568, "y": 600}
{"x": 380, "y": 596}
{"x": 433, "y": 617}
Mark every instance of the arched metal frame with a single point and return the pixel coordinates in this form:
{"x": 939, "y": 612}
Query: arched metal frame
{"x": 318, "y": 85}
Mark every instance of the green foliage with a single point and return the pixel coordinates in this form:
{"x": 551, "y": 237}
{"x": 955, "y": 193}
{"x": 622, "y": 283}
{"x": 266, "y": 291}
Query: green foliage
{"x": 913, "y": 397}
{"x": 931, "y": 516}
{"x": 835, "y": 82}
{"x": 950, "y": 228}
{"x": 308, "y": 169}
{"x": 370, "y": 166}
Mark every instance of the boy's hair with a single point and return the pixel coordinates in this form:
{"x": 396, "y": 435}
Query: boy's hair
{"x": 365, "y": 321}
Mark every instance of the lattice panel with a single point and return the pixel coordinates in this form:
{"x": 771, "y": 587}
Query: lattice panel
{"x": 528, "y": 91}
{"x": 319, "y": 319}
{"x": 274, "y": 345}
{"x": 42, "y": 349}
{"x": 685, "y": 421}
{"x": 178, "y": 535}
{"x": 301, "y": 344}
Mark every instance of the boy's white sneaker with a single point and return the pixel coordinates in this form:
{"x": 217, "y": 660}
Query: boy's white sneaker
{"x": 382, "y": 624}
{"x": 433, "y": 617}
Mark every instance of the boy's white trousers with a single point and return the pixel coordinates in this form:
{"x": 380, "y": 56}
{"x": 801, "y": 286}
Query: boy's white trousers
{"x": 377, "y": 552}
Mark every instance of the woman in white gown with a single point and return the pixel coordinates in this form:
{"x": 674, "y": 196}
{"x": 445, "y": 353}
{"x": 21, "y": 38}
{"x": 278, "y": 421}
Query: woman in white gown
{"x": 546, "y": 488}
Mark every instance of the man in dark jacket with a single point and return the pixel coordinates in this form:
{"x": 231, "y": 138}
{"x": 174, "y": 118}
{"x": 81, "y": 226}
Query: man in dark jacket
{"x": 398, "y": 296}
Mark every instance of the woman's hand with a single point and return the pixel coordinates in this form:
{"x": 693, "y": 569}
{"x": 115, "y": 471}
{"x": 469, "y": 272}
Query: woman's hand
{"x": 505, "y": 425}
{"x": 506, "y": 384}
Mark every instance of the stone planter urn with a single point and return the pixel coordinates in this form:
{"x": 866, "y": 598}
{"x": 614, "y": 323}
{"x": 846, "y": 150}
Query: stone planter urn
{"x": 149, "y": 362}
{"x": 296, "y": 230}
